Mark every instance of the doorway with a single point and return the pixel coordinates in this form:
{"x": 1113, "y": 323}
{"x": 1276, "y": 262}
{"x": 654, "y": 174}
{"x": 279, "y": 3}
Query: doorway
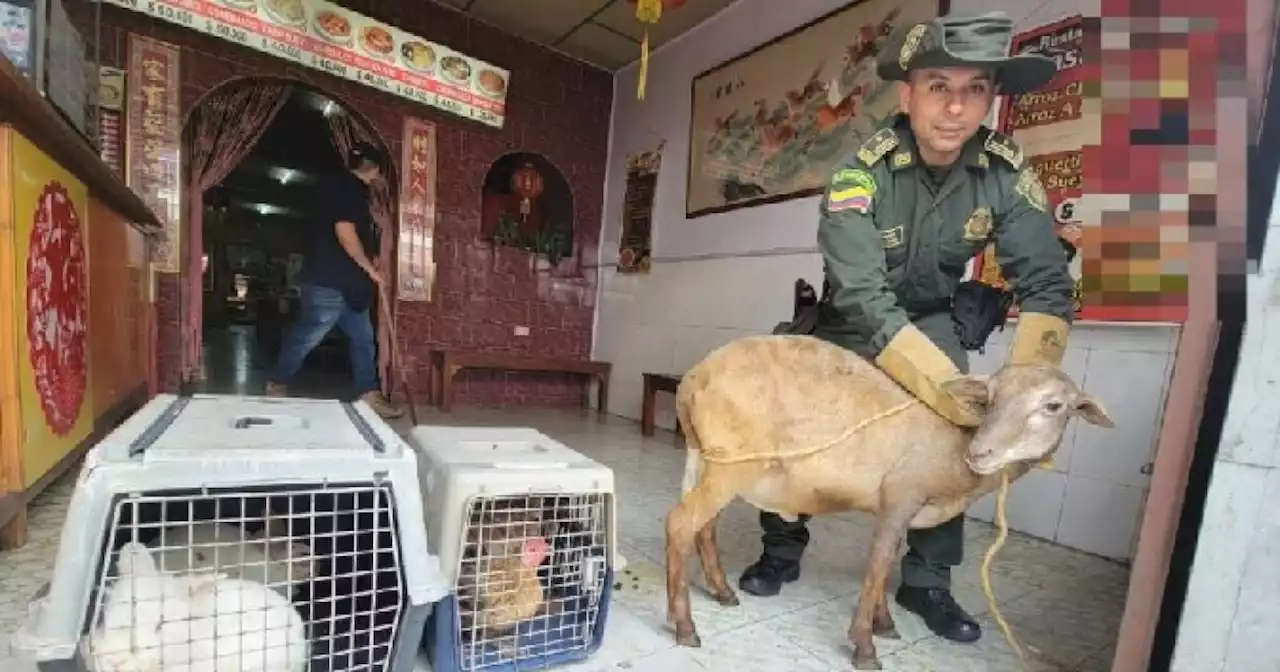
{"x": 251, "y": 244}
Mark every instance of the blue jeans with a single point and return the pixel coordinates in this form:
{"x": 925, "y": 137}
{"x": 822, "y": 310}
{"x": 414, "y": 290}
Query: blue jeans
{"x": 322, "y": 308}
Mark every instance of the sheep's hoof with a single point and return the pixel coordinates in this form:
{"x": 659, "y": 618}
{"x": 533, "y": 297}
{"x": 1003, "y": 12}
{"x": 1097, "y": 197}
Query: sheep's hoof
{"x": 865, "y": 662}
{"x": 687, "y": 636}
{"x": 727, "y": 599}
{"x": 886, "y": 632}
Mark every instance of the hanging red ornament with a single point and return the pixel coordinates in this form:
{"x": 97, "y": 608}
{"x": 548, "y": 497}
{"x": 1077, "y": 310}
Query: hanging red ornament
{"x": 527, "y": 184}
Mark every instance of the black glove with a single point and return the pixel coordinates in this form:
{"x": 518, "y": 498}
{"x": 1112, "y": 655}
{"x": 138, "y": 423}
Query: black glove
{"x": 804, "y": 312}
{"x": 977, "y": 309}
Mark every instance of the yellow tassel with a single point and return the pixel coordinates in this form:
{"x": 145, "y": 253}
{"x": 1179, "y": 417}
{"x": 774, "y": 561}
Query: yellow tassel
{"x": 644, "y": 67}
{"x": 647, "y": 11}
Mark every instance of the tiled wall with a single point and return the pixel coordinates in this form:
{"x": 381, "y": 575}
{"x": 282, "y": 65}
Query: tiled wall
{"x": 723, "y": 276}
{"x": 1230, "y": 618}
{"x": 1092, "y": 497}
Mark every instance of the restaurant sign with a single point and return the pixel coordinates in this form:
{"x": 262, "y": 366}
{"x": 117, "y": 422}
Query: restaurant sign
{"x": 346, "y": 44}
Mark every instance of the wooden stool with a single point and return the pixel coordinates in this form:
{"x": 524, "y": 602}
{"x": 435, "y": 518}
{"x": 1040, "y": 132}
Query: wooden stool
{"x": 653, "y": 384}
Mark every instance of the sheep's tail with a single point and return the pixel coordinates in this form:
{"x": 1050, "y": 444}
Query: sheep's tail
{"x": 692, "y": 467}
{"x": 693, "y": 453}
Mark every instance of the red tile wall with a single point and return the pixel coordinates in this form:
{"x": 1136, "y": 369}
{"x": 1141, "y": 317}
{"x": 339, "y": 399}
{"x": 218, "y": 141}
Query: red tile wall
{"x": 556, "y": 106}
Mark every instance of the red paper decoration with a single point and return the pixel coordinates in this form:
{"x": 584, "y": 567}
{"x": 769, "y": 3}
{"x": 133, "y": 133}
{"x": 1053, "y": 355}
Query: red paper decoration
{"x": 57, "y": 308}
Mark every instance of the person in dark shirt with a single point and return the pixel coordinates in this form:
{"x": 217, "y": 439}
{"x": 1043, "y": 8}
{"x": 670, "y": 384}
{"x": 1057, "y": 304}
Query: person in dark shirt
{"x": 340, "y": 281}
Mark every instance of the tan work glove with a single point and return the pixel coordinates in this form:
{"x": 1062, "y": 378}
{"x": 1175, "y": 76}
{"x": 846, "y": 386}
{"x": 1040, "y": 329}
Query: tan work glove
{"x": 918, "y": 365}
{"x": 1039, "y": 338}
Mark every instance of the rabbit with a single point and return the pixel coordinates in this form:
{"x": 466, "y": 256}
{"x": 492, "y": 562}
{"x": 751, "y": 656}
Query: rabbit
{"x": 132, "y": 636}
{"x": 267, "y": 556}
{"x": 206, "y": 623}
{"x": 257, "y": 629}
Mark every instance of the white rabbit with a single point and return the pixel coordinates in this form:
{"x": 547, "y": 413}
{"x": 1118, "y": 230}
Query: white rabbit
{"x": 267, "y": 556}
{"x": 205, "y": 623}
{"x": 243, "y": 626}
{"x": 131, "y": 637}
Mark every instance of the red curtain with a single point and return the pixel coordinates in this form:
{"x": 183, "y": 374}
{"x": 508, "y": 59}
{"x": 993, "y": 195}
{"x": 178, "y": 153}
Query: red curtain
{"x": 221, "y": 133}
{"x": 345, "y": 132}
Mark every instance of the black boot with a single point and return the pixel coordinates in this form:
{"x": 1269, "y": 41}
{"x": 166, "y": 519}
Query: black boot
{"x": 940, "y": 612}
{"x": 765, "y": 578}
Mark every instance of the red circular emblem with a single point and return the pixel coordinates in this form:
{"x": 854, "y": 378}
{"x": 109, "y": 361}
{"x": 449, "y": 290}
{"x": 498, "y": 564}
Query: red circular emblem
{"x": 57, "y": 308}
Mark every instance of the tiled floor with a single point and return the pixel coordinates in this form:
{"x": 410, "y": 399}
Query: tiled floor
{"x": 1064, "y": 605}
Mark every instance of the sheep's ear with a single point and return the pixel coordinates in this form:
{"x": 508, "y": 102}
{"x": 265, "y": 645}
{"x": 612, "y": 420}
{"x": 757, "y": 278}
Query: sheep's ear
{"x": 971, "y": 390}
{"x": 1092, "y": 411}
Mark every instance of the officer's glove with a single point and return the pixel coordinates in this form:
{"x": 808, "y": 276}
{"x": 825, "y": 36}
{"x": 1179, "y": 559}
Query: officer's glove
{"x": 1042, "y": 339}
{"x": 1039, "y": 338}
{"x": 918, "y": 365}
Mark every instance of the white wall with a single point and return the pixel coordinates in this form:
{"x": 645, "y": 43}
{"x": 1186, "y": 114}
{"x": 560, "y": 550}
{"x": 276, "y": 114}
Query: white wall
{"x": 718, "y": 277}
{"x": 1230, "y": 616}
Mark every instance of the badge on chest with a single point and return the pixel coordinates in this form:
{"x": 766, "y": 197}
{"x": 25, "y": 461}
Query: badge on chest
{"x": 978, "y": 227}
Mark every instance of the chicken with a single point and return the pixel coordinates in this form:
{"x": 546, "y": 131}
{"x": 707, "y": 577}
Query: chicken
{"x": 498, "y": 586}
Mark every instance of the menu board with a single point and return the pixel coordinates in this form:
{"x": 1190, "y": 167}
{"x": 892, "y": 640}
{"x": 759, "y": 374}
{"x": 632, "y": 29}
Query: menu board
{"x": 346, "y": 44}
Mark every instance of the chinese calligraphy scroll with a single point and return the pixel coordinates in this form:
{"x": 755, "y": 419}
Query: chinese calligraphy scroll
{"x": 637, "y": 211}
{"x": 154, "y": 134}
{"x": 416, "y": 269}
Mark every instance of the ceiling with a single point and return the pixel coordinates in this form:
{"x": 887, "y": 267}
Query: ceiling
{"x": 604, "y": 33}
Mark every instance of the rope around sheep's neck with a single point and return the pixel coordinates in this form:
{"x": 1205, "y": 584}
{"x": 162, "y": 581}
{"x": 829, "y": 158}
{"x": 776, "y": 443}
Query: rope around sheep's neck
{"x": 1002, "y": 524}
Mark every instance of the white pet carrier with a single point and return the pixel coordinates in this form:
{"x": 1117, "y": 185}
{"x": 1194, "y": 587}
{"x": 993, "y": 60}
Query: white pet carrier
{"x": 525, "y": 533}
{"x": 270, "y": 535}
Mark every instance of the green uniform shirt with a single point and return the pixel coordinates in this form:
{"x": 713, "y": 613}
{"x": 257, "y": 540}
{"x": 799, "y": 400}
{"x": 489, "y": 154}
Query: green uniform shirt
{"x": 895, "y": 241}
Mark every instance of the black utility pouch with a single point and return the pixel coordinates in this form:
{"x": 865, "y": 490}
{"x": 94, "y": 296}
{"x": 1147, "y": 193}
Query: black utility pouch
{"x": 977, "y": 310}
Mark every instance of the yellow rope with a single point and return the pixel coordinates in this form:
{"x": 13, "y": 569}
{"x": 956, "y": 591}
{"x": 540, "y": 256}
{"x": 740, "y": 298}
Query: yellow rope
{"x": 647, "y": 12}
{"x": 818, "y": 448}
{"x": 1002, "y": 524}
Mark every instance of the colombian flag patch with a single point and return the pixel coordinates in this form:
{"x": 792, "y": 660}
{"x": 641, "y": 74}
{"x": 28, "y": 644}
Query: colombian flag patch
{"x": 851, "y": 189}
{"x": 853, "y": 198}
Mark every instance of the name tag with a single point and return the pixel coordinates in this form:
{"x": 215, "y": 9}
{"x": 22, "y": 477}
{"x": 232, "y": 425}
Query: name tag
{"x": 891, "y": 237}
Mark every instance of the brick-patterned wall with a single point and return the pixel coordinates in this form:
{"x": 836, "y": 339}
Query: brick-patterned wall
{"x": 556, "y": 107}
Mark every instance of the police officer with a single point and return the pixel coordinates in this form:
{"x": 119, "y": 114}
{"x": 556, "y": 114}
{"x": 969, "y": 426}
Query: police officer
{"x": 900, "y": 218}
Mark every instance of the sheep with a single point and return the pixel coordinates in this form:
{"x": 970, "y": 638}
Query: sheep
{"x": 795, "y": 425}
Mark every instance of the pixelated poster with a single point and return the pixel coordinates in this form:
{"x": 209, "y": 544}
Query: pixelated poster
{"x": 1050, "y": 127}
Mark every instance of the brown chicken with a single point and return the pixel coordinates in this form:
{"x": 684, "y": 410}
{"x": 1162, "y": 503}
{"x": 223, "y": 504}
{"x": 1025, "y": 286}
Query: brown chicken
{"x": 498, "y": 585}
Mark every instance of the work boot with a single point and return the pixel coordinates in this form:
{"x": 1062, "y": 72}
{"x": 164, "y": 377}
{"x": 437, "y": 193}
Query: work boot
{"x": 381, "y": 405}
{"x": 940, "y": 612}
{"x": 276, "y": 390}
{"x": 765, "y": 578}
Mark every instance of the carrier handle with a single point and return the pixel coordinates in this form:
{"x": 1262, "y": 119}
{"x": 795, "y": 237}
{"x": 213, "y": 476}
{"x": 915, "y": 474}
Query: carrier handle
{"x": 151, "y": 434}
{"x": 371, "y": 437}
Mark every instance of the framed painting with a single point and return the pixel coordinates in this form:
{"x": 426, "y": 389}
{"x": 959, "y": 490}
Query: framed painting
{"x": 769, "y": 125}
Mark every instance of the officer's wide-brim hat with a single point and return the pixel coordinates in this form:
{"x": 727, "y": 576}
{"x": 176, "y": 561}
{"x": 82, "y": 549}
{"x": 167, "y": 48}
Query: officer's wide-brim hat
{"x": 952, "y": 42}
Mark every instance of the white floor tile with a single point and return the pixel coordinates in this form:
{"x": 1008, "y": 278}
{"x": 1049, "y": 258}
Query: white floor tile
{"x": 1078, "y": 597}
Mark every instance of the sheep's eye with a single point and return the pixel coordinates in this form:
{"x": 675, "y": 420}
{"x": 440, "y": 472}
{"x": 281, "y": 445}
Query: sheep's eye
{"x": 1053, "y": 406}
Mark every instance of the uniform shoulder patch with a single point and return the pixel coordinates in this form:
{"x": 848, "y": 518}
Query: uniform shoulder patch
{"x": 1031, "y": 190}
{"x": 880, "y": 143}
{"x": 1000, "y": 145}
{"x": 851, "y": 189}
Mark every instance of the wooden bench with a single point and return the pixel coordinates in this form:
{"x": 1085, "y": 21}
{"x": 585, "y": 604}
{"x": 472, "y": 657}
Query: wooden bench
{"x": 445, "y": 364}
{"x": 653, "y": 384}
